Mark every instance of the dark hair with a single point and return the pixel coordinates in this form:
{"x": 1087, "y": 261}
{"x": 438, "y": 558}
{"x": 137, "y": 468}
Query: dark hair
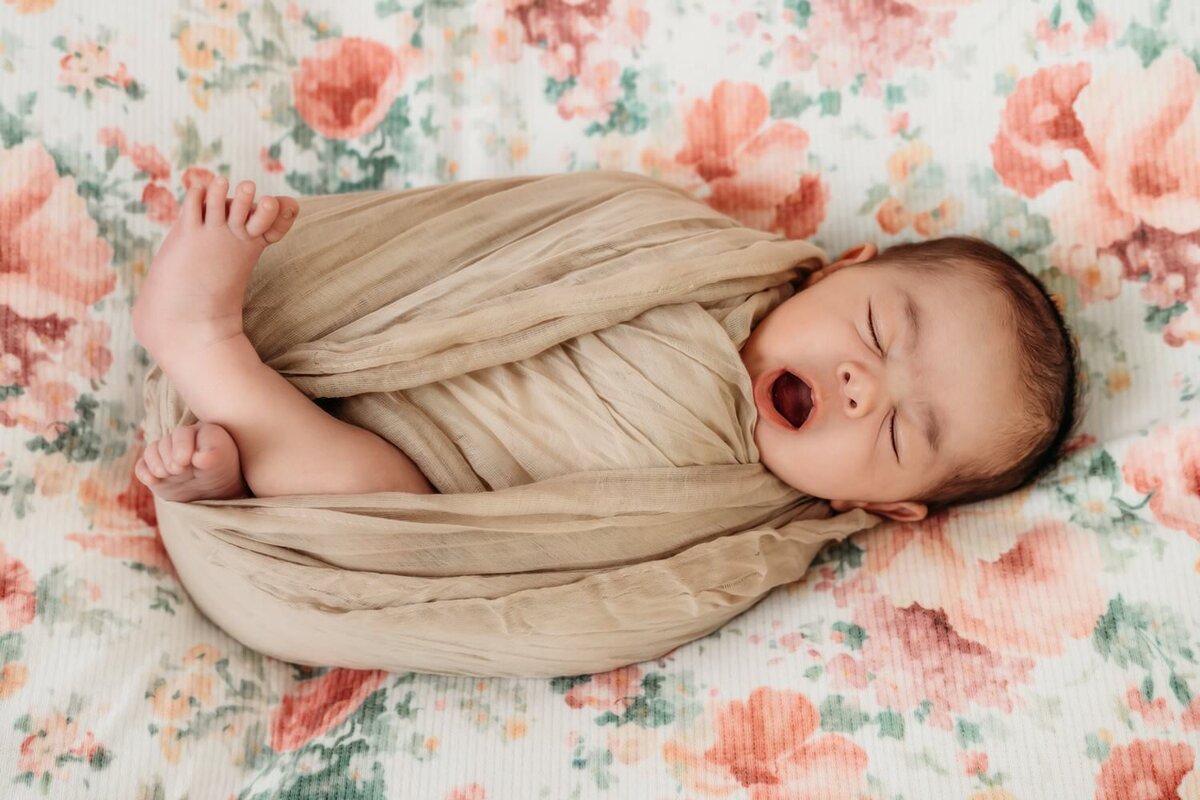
{"x": 1047, "y": 356}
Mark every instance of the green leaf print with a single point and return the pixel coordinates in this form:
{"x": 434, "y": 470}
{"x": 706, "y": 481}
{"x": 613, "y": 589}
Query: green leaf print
{"x": 1097, "y": 748}
{"x": 801, "y": 11}
{"x": 891, "y": 724}
{"x": 968, "y": 733}
{"x": 1181, "y": 690}
{"x": 853, "y": 635}
{"x": 1087, "y": 11}
{"x": 12, "y": 126}
{"x": 1146, "y": 42}
{"x": 1138, "y": 633}
{"x": 831, "y": 103}
{"x": 788, "y": 102}
{"x": 1157, "y": 318}
{"x": 839, "y": 717}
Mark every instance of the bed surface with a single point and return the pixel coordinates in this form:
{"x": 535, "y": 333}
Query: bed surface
{"x": 1042, "y": 645}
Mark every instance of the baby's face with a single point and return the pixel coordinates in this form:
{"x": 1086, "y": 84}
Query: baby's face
{"x": 955, "y": 371}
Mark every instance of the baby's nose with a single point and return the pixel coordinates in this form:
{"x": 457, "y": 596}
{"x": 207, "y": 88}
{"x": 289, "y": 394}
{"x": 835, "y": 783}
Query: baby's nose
{"x": 858, "y": 390}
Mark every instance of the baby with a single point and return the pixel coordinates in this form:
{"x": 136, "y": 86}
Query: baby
{"x": 898, "y": 382}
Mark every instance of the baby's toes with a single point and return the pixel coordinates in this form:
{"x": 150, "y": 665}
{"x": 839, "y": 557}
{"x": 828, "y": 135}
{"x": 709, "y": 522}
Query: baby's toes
{"x": 239, "y": 208}
{"x": 143, "y": 473}
{"x": 153, "y": 461}
{"x": 289, "y": 209}
{"x": 264, "y": 216}
{"x": 183, "y": 444}
{"x": 166, "y": 453}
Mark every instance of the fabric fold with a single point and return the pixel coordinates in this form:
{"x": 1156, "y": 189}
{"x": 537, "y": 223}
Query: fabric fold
{"x": 559, "y": 356}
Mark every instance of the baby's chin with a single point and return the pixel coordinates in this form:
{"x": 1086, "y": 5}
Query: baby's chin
{"x": 790, "y": 473}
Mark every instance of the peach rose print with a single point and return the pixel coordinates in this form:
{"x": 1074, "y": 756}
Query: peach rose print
{"x": 766, "y": 746}
{"x": 30, "y": 6}
{"x": 1167, "y": 462}
{"x": 920, "y": 198}
{"x": 1123, "y": 141}
{"x": 755, "y": 176}
{"x": 345, "y": 89}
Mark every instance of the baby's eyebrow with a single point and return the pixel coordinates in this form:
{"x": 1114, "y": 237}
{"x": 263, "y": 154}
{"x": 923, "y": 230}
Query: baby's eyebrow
{"x": 914, "y": 321}
{"x": 932, "y": 428}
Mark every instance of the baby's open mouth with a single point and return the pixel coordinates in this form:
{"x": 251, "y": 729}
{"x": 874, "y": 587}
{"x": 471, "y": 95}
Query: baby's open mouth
{"x": 792, "y": 398}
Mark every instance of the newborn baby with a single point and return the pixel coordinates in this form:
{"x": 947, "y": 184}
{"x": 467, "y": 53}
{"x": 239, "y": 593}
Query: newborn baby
{"x": 900, "y": 382}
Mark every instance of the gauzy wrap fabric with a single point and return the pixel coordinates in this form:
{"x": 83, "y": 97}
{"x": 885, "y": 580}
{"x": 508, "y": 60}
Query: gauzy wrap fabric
{"x": 559, "y": 356}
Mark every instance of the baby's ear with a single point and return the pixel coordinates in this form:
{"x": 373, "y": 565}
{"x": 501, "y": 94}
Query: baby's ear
{"x": 855, "y": 255}
{"x": 904, "y": 511}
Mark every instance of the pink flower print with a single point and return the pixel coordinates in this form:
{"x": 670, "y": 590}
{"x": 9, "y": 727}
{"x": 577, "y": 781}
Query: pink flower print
{"x": 917, "y": 656}
{"x": 83, "y": 64}
{"x": 593, "y": 97}
{"x": 113, "y": 137}
{"x": 1143, "y": 125}
{"x": 86, "y": 351}
{"x": 874, "y": 38}
{"x": 1154, "y": 714}
{"x": 768, "y": 747}
{"x": 18, "y": 603}
{"x": 1167, "y": 462}
{"x": 1052, "y": 567}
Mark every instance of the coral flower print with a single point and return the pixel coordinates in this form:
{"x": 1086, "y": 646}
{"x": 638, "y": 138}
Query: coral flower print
{"x": 17, "y": 601}
{"x": 1038, "y": 125}
{"x": 52, "y": 260}
{"x": 320, "y": 705}
{"x": 1167, "y": 462}
{"x": 1147, "y": 769}
{"x": 767, "y": 746}
{"x": 756, "y": 176}
{"x": 347, "y": 86}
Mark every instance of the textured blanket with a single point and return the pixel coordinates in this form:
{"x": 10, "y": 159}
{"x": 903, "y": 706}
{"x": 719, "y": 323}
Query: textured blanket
{"x": 559, "y": 356}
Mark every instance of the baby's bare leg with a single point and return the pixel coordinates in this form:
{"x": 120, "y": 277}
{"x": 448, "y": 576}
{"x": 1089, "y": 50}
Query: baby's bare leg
{"x": 287, "y": 444}
{"x": 188, "y": 317}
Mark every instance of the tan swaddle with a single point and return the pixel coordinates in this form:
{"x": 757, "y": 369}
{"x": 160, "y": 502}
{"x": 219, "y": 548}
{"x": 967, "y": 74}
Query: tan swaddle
{"x": 559, "y": 356}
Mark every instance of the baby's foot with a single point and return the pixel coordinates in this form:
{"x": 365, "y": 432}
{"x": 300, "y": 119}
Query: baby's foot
{"x": 194, "y": 293}
{"x": 194, "y": 462}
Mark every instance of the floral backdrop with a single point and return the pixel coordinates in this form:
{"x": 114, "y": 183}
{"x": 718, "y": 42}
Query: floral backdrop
{"x": 1036, "y": 646}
